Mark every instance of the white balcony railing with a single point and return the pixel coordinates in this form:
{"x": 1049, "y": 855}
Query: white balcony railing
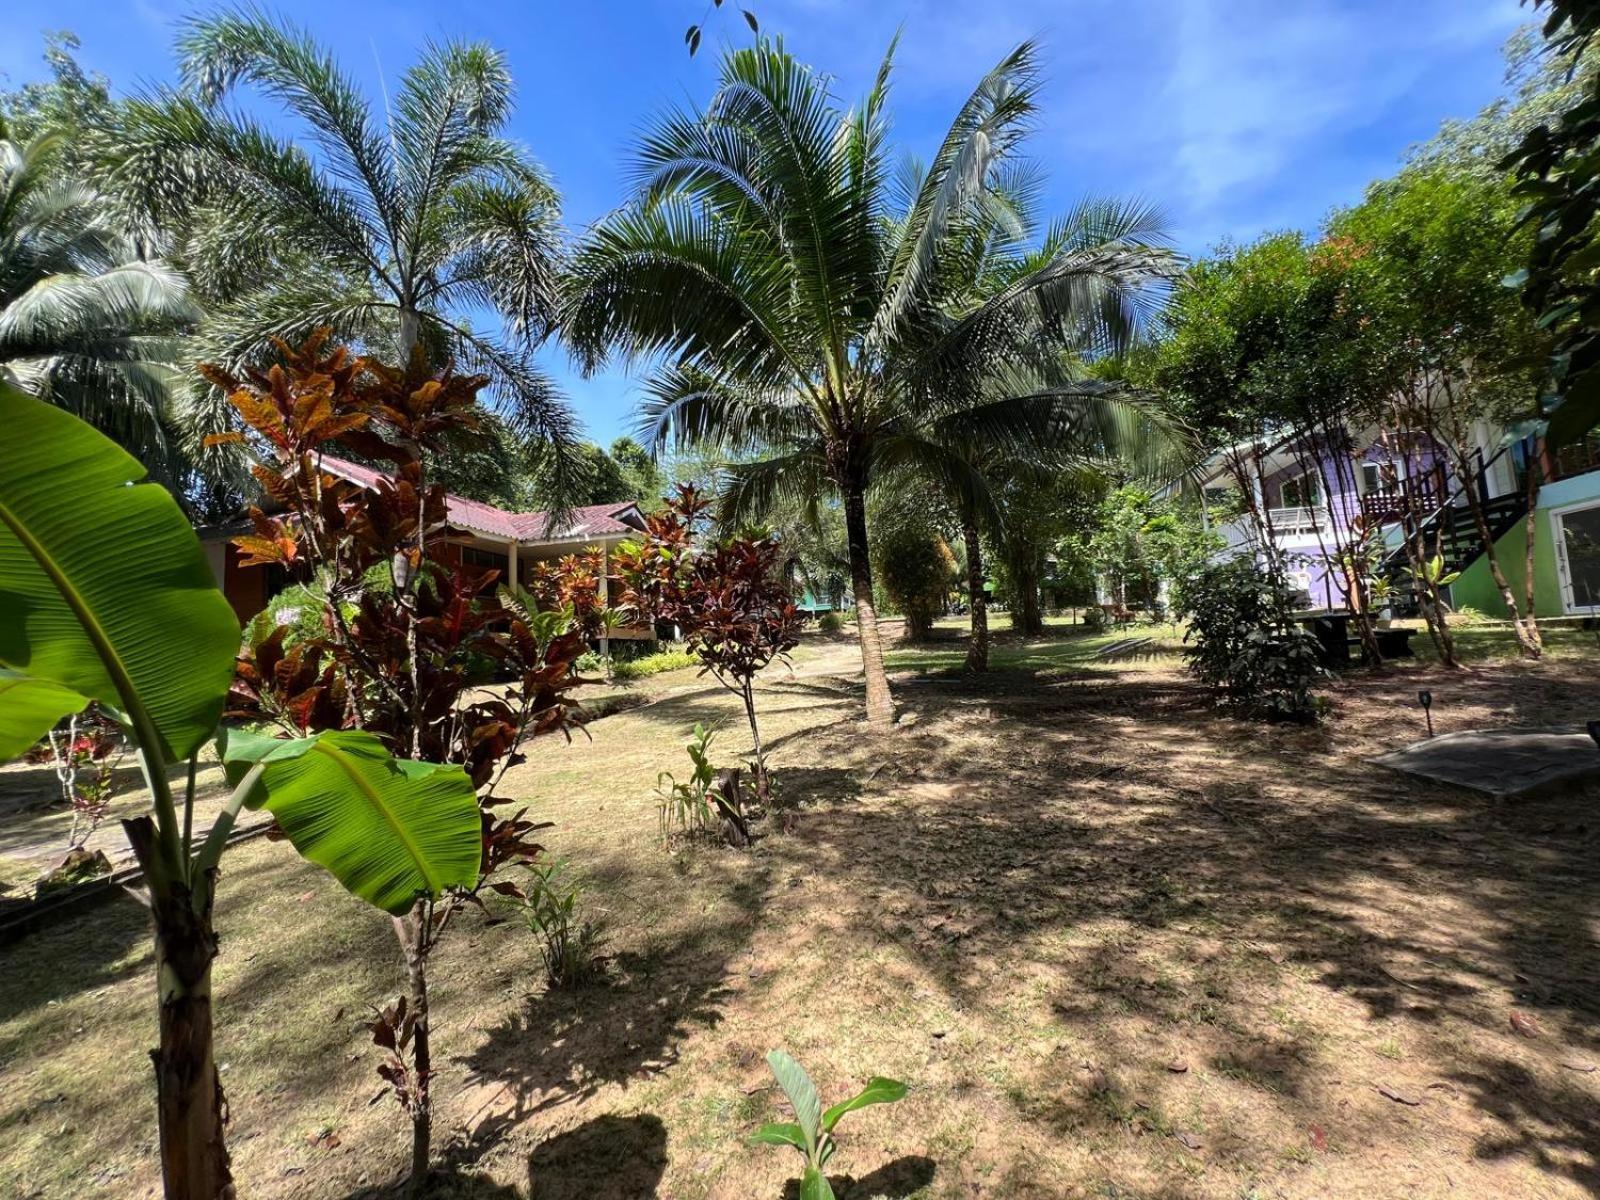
{"x": 1288, "y": 522}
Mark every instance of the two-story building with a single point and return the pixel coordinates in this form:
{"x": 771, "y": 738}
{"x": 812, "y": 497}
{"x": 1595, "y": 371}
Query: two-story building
{"x": 1310, "y": 503}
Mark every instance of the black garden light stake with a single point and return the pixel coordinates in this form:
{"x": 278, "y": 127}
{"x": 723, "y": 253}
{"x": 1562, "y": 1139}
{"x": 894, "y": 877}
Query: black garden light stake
{"x": 1425, "y": 698}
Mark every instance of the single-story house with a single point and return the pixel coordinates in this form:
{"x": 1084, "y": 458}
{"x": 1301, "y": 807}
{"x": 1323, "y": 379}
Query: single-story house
{"x": 478, "y": 534}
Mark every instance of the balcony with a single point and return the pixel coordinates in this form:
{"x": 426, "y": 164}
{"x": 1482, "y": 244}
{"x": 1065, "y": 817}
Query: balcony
{"x": 1293, "y": 522}
{"x": 1578, "y": 458}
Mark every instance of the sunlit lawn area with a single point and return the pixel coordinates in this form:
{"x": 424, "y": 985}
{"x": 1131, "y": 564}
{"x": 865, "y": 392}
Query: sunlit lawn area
{"x": 1116, "y": 944}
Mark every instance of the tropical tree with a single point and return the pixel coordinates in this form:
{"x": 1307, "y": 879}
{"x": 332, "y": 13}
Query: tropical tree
{"x": 94, "y": 593}
{"x": 1557, "y": 172}
{"x": 1438, "y": 242}
{"x": 795, "y": 298}
{"x": 85, "y": 323}
{"x": 388, "y": 231}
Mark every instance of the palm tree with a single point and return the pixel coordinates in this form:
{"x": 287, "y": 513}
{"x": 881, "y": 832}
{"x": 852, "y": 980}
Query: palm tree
{"x": 84, "y": 323}
{"x": 796, "y": 300}
{"x": 387, "y": 231}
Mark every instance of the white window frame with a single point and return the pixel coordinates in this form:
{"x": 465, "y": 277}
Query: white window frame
{"x": 1558, "y": 539}
{"x": 1379, "y": 464}
{"x": 1315, "y": 476}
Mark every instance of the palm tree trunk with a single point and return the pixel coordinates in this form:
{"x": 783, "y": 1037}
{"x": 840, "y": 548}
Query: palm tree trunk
{"x": 410, "y": 332}
{"x": 978, "y": 644}
{"x": 189, "y": 1099}
{"x": 880, "y": 704}
{"x": 1025, "y": 615}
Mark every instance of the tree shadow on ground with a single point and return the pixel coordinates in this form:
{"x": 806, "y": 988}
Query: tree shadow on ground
{"x": 446, "y": 1182}
{"x": 1234, "y": 854}
{"x": 608, "y": 1158}
{"x": 897, "y": 1180}
{"x": 77, "y": 951}
{"x": 565, "y": 1045}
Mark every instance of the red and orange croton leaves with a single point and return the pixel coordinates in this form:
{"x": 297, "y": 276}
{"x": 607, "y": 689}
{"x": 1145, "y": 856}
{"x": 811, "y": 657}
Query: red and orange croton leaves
{"x": 403, "y": 658}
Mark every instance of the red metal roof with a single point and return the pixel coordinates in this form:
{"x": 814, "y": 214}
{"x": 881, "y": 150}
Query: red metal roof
{"x": 594, "y": 520}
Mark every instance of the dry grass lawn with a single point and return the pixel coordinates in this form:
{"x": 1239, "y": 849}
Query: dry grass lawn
{"x": 1117, "y": 944}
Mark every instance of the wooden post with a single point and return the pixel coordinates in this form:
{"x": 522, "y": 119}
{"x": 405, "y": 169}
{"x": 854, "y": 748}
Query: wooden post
{"x": 513, "y": 579}
{"x": 605, "y": 598}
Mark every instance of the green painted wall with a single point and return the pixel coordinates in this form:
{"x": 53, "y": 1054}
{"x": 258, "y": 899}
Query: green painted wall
{"x": 1476, "y": 589}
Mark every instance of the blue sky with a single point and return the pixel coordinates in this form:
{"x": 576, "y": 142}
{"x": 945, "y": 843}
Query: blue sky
{"x": 1237, "y": 116}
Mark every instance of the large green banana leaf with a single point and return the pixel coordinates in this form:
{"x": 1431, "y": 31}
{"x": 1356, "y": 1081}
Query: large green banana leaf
{"x": 104, "y": 590}
{"x": 389, "y": 829}
{"x": 28, "y": 707}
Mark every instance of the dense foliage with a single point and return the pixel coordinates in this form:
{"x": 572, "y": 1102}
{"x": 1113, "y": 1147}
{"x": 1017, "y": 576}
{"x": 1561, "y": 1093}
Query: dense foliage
{"x": 1558, "y": 174}
{"x": 728, "y": 597}
{"x": 1255, "y": 659}
{"x": 397, "y": 654}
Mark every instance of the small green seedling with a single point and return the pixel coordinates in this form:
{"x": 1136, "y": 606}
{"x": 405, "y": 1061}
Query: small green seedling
{"x": 811, "y": 1132}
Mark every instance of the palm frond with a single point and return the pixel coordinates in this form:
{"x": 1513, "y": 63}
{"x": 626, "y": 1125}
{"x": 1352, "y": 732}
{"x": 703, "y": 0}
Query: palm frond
{"x": 985, "y": 131}
{"x": 751, "y": 490}
{"x": 218, "y": 52}
{"x": 684, "y": 406}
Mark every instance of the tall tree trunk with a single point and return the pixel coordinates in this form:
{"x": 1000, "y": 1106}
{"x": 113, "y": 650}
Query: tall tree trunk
{"x": 1530, "y": 613}
{"x": 978, "y": 644}
{"x": 880, "y": 704}
{"x": 1025, "y": 614}
{"x": 1528, "y": 643}
{"x": 413, "y": 934}
{"x": 410, "y": 332}
{"x": 189, "y": 1101}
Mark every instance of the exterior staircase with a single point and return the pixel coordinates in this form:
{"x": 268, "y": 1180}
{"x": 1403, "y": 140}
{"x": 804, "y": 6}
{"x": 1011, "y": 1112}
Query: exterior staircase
{"x": 1451, "y": 531}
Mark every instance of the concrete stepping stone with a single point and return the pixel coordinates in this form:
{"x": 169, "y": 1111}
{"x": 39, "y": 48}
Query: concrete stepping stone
{"x": 1505, "y": 764}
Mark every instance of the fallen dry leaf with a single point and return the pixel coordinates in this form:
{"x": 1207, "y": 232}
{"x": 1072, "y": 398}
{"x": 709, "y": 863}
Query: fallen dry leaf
{"x": 1525, "y": 1024}
{"x": 1187, "y": 1140}
{"x": 1398, "y": 1097}
{"x": 1319, "y": 1139}
{"x": 1177, "y": 1066}
{"x": 1578, "y": 1064}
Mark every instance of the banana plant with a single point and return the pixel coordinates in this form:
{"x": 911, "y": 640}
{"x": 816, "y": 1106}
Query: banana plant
{"x": 1433, "y": 572}
{"x": 106, "y": 597}
{"x": 811, "y": 1132}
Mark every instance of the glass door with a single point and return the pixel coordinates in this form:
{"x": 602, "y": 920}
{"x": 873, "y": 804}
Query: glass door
{"x": 1578, "y": 559}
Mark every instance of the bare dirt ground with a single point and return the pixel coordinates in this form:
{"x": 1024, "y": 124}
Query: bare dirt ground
{"x": 1117, "y": 944}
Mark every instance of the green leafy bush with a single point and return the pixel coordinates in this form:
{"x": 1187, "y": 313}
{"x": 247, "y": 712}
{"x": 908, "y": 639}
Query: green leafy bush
{"x": 571, "y": 946}
{"x": 1247, "y": 650}
{"x": 654, "y": 664}
{"x": 700, "y": 804}
{"x": 811, "y": 1132}
{"x": 830, "y": 622}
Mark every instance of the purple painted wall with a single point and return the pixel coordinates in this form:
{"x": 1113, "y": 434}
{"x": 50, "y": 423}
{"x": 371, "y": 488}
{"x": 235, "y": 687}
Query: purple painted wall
{"x": 1341, "y": 498}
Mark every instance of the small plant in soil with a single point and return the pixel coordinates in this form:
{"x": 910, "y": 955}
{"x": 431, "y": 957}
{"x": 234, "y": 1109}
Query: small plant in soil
{"x": 811, "y": 1132}
{"x": 571, "y": 946}
{"x": 709, "y": 802}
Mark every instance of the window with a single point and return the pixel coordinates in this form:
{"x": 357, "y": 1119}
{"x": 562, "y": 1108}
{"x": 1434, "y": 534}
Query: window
{"x": 1379, "y": 479}
{"x": 1578, "y": 558}
{"x": 1303, "y": 491}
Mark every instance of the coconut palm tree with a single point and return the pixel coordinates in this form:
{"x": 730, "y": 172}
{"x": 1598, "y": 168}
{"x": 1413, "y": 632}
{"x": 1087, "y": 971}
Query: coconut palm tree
{"x": 793, "y": 298}
{"x": 388, "y": 229}
{"x": 84, "y": 323}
